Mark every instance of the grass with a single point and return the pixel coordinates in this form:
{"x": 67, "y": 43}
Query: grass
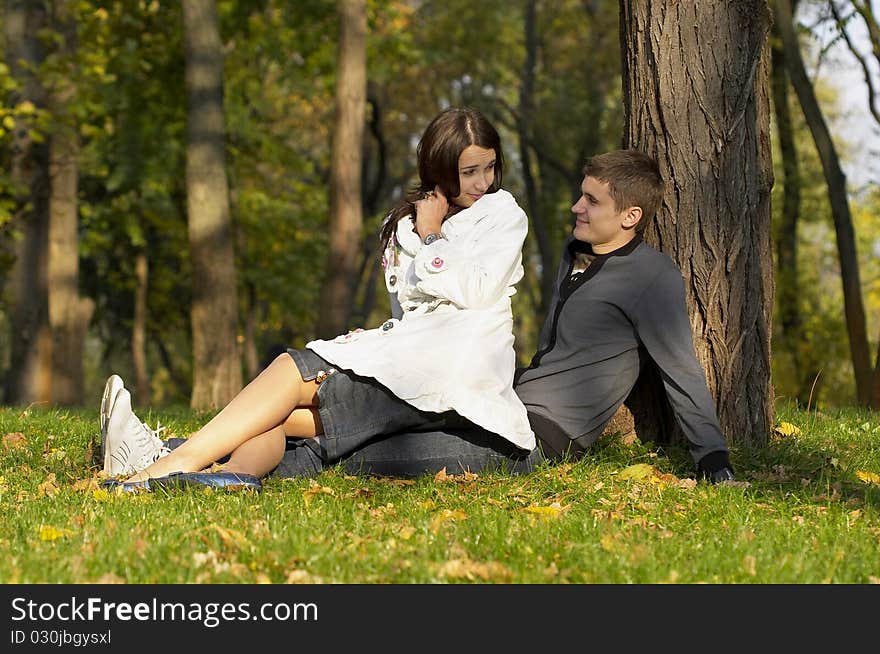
{"x": 625, "y": 514}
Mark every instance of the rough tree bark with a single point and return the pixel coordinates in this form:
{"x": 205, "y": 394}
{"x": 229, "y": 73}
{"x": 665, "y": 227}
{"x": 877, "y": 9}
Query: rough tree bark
{"x": 695, "y": 98}
{"x": 214, "y": 313}
{"x": 346, "y": 212}
{"x": 29, "y": 377}
{"x": 836, "y": 182}
{"x": 69, "y": 314}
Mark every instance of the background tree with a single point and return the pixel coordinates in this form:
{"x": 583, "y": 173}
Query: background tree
{"x": 69, "y": 314}
{"x": 29, "y": 376}
{"x": 216, "y": 367}
{"x": 695, "y": 97}
{"x": 836, "y": 183}
{"x": 346, "y": 214}
{"x": 791, "y": 334}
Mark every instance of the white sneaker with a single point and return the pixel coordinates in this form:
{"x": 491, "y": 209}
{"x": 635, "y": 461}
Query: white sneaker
{"x": 130, "y": 446}
{"x": 113, "y": 386}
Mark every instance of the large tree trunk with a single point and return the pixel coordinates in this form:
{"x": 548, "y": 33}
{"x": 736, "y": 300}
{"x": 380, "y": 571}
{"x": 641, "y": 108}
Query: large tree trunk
{"x": 29, "y": 377}
{"x": 695, "y": 98}
{"x": 69, "y": 314}
{"x": 346, "y": 213}
{"x": 214, "y": 314}
{"x": 836, "y": 182}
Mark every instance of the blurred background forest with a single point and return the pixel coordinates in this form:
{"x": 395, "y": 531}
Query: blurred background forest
{"x": 99, "y": 91}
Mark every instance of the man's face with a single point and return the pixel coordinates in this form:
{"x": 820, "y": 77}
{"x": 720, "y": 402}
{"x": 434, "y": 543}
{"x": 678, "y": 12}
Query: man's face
{"x": 598, "y": 222}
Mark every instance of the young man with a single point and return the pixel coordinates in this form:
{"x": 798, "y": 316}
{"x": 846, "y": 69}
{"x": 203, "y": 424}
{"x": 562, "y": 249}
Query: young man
{"x": 618, "y": 302}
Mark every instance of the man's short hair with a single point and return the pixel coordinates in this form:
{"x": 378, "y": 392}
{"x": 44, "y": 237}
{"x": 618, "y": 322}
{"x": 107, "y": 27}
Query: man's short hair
{"x": 633, "y": 180}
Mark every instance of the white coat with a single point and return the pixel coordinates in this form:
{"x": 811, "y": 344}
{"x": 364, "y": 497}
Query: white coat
{"x": 453, "y": 346}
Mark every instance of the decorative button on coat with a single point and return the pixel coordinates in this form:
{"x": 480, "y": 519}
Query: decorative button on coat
{"x": 392, "y": 280}
{"x": 388, "y": 324}
{"x": 437, "y": 262}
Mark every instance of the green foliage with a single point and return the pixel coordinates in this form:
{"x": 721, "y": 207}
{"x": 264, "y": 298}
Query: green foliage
{"x": 625, "y": 514}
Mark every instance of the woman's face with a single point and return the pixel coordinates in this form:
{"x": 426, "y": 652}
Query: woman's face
{"x": 476, "y": 172}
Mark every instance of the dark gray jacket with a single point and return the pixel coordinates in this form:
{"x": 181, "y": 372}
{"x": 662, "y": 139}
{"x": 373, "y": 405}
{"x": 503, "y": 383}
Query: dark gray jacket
{"x": 627, "y": 306}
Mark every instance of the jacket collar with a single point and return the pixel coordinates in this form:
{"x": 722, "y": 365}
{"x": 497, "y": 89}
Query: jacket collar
{"x": 575, "y": 246}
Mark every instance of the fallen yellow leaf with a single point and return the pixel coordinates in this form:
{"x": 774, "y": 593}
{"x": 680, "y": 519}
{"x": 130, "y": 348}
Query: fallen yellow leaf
{"x": 868, "y": 477}
{"x": 551, "y": 511}
{"x": 639, "y": 471}
{"x": 50, "y": 533}
{"x": 100, "y": 495}
{"x": 785, "y": 429}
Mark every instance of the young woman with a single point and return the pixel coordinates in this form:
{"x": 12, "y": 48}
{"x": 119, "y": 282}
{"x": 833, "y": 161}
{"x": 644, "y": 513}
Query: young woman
{"x": 452, "y": 255}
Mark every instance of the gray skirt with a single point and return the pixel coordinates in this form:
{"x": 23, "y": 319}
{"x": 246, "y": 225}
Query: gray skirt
{"x": 373, "y": 431}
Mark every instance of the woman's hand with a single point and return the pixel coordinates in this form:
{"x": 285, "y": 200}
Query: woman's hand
{"x": 430, "y": 212}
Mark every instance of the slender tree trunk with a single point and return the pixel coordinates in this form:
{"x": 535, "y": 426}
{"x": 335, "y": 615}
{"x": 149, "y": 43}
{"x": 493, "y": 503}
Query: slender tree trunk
{"x": 214, "y": 314}
{"x": 69, "y": 314}
{"x": 524, "y": 128}
{"x": 346, "y": 213}
{"x": 29, "y": 377}
{"x": 836, "y": 182}
{"x": 139, "y": 329}
{"x": 787, "y": 284}
{"x": 695, "y": 98}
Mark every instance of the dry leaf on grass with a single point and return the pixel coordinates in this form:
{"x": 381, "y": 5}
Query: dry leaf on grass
{"x": 442, "y": 476}
{"x": 110, "y": 578}
{"x": 85, "y": 484}
{"x": 446, "y": 515}
{"x": 13, "y": 440}
{"x": 231, "y": 538}
{"x": 302, "y": 577}
{"x": 473, "y": 570}
{"x": 316, "y": 489}
{"x": 48, "y": 488}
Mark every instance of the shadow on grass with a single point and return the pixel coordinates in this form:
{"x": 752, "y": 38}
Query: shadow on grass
{"x": 783, "y": 468}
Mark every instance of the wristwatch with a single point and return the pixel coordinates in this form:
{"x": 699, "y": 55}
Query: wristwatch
{"x": 430, "y": 238}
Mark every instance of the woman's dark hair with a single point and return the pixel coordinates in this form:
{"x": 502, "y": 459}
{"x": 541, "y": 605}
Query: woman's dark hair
{"x": 445, "y": 138}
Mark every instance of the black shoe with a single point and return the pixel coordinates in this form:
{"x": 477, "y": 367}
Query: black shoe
{"x": 720, "y": 476}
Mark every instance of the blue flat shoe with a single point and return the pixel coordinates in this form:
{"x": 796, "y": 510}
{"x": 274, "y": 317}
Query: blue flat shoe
{"x": 231, "y": 481}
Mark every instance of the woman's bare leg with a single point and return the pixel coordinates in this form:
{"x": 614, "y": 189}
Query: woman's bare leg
{"x": 258, "y": 456}
{"x": 261, "y": 406}
{"x": 261, "y": 455}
